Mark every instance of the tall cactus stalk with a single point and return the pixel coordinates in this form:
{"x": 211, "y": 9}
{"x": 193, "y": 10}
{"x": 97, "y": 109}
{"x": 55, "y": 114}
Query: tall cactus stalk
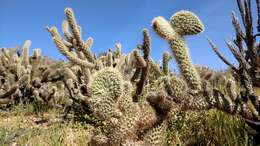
{"x": 25, "y": 54}
{"x": 181, "y": 24}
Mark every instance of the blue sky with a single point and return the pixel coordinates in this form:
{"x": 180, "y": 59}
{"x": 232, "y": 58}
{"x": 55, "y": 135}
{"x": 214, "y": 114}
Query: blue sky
{"x": 111, "y": 21}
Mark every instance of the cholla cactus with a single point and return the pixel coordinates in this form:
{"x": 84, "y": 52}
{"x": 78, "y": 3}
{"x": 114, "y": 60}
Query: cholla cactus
{"x": 182, "y": 23}
{"x": 107, "y": 81}
{"x": 157, "y": 135}
{"x": 25, "y": 54}
{"x": 125, "y": 120}
{"x": 28, "y": 78}
{"x": 74, "y": 48}
{"x": 129, "y": 93}
{"x": 166, "y": 59}
{"x": 199, "y": 94}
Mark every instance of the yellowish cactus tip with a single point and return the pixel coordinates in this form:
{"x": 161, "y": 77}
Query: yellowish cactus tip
{"x": 163, "y": 28}
{"x": 68, "y": 10}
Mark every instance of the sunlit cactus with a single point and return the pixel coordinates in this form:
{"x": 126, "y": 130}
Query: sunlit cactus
{"x": 129, "y": 99}
{"x": 25, "y": 54}
{"x": 107, "y": 81}
{"x": 104, "y": 107}
{"x": 166, "y": 59}
{"x": 186, "y": 23}
{"x": 182, "y": 23}
{"x": 157, "y": 135}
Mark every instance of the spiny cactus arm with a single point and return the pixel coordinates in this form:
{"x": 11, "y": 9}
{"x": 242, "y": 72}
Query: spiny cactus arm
{"x": 74, "y": 26}
{"x": 104, "y": 107}
{"x": 160, "y": 102}
{"x": 110, "y": 59}
{"x": 25, "y": 54}
{"x": 87, "y": 49}
{"x": 77, "y": 41}
{"x": 66, "y": 32}
{"x": 148, "y": 116}
{"x": 11, "y": 91}
{"x": 45, "y": 74}
{"x": 166, "y": 59}
{"x": 182, "y": 23}
{"x": 231, "y": 89}
{"x": 5, "y": 101}
{"x": 136, "y": 75}
{"x": 107, "y": 81}
{"x": 163, "y": 28}
{"x": 87, "y": 75}
{"x": 54, "y": 33}
{"x": 183, "y": 60}
{"x": 146, "y": 47}
{"x": 6, "y": 54}
{"x": 4, "y": 60}
{"x": 126, "y": 128}
{"x": 75, "y": 38}
{"x": 157, "y": 135}
{"x": 140, "y": 62}
{"x": 70, "y": 56}
{"x": 82, "y": 51}
{"x": 69, "y": 74}
{"x": 155, "y": 67}
{"x": 36, "y": 54}
{"x": 118, "y": 50}
{"x": 35, "y": 61}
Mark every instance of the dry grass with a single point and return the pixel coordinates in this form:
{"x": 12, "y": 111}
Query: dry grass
{"x": 211, "y": 128}
{"x": 19, "y": 127}
{"x": 22, "y": 128}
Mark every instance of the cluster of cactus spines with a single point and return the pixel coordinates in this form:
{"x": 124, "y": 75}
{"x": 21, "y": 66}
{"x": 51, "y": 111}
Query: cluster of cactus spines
{"x": 166, "y": 59}
{"x": 157, "y": 135}
{"x": 186, "y": 23}
{"x": 181, "y": 24}
{"x": 107, "y": 81}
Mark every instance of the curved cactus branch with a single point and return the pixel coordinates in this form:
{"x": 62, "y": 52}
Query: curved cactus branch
{"x": 145, "y": 70}
{"x": 182, "y": 23}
